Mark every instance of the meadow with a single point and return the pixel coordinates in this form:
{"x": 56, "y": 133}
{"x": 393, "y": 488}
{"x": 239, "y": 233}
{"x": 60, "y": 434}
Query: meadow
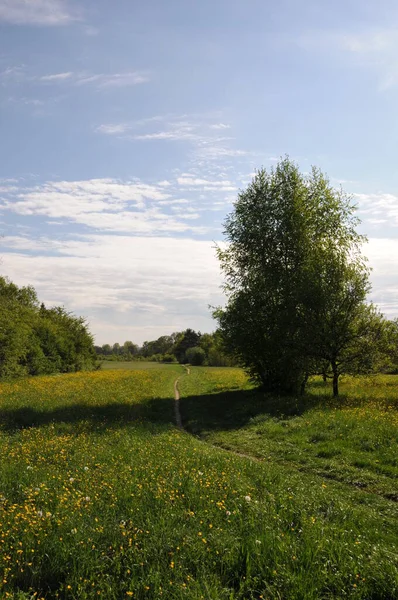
{"x": 102, "y": 496}
{"x": 133, "y": 365}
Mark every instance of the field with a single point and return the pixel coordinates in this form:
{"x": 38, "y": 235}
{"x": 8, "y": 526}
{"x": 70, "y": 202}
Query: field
{"x": 102, "y": 496}
{"x": 111, "y": 365}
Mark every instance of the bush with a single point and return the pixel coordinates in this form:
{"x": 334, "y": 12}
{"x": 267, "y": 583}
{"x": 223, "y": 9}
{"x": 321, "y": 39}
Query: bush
{"x": 195, "y": 356}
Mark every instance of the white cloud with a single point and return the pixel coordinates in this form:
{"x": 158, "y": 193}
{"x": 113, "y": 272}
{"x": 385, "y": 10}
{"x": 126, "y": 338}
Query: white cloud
{"x": 105, "y": 204}
{"x": 113, "y": 79}
{"x": 180, "y": 130}
{"x": 14, "y": 75}
{"x": 191, "y": 181}
{"x": 196, "y": 129}
{"x": 382, "y": 253}
{"x": 378, "y": 208}
{"x": 220, "y": 126}
{"x": 102, "y": 80}
{"x": 57, "y": 76}
{"x": 36, "y": 12}
{"x": 129, "y": 287}
{"x": 220, "y": 152}
{"x": 112, "y": 129}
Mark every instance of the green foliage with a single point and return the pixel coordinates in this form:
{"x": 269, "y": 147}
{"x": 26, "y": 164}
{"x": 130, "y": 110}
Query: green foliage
{"x": 296, "y": 281}
{"x": 35, "y": 340}
{"x": 188, "y": 339}
{"x": 196, "y": 356}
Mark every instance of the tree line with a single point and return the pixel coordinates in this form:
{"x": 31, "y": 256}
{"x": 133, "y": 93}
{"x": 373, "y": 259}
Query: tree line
{"x": 297, "y": 284}
{"x": 186, "y": 346}
{"x": 35, "y": 340}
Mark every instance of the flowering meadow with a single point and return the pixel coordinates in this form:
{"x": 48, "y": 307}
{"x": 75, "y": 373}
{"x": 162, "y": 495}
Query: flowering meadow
{"x": 101, "y": 496}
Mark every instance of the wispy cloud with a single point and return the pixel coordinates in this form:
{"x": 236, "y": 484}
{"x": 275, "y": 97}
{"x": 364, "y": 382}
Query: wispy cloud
{"x": 377, "y": 50}
{"x": 220, "y": 126}
{"x": 378, "y": 209}
{"x": 200, "y": 131}
{"x": 110, "y": 129}
{"x": 19, "y": 74}
{"x": 103, "y": 80}
{"x": 191, "y": 181}
{"x": 36, "y": 12}
{"x": 57, "y": 76}
{"x": 372, "y": 49}
{"x": 113, "y": 79}
{"x": 105, "y": 204}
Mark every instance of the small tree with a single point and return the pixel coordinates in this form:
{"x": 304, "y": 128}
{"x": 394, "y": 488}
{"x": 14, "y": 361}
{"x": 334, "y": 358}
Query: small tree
{"x": 188, "y": 339}
{"x": 195, "y": 356}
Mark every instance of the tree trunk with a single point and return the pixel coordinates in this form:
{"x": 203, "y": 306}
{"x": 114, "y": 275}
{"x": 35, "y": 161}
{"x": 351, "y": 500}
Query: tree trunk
{"x": 335, "y": 380}
{"x": 303, "y": 384}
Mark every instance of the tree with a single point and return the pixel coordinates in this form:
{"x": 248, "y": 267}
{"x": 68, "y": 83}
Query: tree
{"x": 189, "y": 339}
{"x": 294, "y": 272}
{"x": 195, "y": 356}
{"x": 129, "y": 349}
{"x": 36, "y": 340}
{"x": 343, "y": 332}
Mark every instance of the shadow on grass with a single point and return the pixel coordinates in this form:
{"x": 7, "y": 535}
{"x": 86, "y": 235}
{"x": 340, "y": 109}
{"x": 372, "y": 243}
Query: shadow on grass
{"x": 235, "y": 409}
{"x": 99, "y": 417}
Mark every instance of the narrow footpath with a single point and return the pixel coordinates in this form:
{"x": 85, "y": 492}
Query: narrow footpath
{"x": 177, "y": 399}
{"x": 177, "y": 413}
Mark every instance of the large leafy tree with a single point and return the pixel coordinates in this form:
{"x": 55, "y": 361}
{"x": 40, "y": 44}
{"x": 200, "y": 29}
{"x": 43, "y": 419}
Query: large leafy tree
{"x": 295, "y": 278}
{"x": 36, "y": 340}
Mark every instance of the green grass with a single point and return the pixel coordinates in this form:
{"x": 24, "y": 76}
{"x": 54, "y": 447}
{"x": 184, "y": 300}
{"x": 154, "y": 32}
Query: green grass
{"x": 101, "y": 496}
{"x": 134, "y": 365}
{"x": 353, "y": 439}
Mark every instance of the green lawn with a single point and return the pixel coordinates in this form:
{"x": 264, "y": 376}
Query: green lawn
{"x": 102, "y": 496}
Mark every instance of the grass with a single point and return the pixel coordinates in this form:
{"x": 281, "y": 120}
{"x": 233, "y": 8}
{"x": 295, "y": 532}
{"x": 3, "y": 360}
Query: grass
{"x": 353, "y": 439}
{"x": 101, "y": 496}
{"x": 132, "y": 365}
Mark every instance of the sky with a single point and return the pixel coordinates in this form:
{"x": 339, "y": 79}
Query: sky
{"x": 127, "y": 129}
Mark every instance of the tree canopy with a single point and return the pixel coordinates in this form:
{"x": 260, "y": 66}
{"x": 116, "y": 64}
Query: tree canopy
{"x": 38, "y": 340}
{"x": 296, "y": 280}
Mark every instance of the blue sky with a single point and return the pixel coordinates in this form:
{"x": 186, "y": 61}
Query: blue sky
{"x": 127, "y": 129}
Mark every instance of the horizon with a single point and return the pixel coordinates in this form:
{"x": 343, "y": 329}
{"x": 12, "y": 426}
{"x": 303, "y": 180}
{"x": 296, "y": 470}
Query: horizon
{"x": 127, "y": 134}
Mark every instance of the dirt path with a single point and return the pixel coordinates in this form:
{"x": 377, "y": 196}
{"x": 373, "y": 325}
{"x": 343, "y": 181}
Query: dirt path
{"x": 177, "y": 399}
{"x": 177, "y": 413}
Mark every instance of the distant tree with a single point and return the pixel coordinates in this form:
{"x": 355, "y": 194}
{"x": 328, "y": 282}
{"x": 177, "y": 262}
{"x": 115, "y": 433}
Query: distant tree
{"x": 116, "y": 349}
{"x": 106, "y": 349}
{"x": 129, "y": 349}
{"x": 189, "y": 339}
{"x": 195, "y": 356}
